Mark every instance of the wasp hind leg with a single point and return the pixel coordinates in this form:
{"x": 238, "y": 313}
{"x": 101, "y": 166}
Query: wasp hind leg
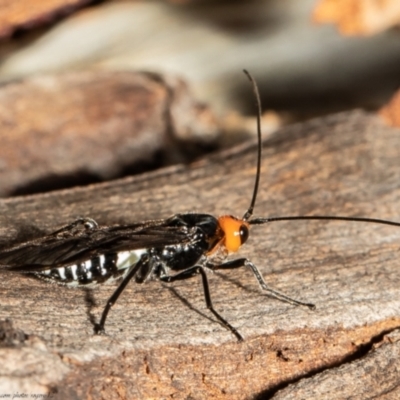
{"x": 194, "y": 271}
{"x": 76, "y": 228}
{"x": 244, "y": 262}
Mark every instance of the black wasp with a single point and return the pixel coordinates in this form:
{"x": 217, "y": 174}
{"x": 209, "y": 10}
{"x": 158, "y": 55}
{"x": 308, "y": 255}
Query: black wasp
{"x": 84, "y": 254}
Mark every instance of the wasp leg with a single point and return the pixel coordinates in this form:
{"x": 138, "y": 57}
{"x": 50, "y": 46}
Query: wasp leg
{"x": 191, "y": 272}
{"x": 244, "y": 262}
{"x": 80, "y": 225}
{"x": 99, "y": 328}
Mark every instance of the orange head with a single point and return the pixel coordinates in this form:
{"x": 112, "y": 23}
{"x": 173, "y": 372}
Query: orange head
{"x": 236, "y": 232}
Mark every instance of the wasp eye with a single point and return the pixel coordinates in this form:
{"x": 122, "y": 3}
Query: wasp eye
{"x": 244, "y": 233}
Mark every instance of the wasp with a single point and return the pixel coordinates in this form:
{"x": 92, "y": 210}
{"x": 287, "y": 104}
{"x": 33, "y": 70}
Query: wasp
{"x": 183, "y": 246}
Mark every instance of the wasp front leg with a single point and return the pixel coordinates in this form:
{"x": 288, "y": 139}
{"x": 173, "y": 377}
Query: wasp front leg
{"x": 244, "y": 262}
{"x": 194, "y": 271}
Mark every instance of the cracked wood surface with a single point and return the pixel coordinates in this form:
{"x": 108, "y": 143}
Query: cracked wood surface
{"x": 162, "y": 343}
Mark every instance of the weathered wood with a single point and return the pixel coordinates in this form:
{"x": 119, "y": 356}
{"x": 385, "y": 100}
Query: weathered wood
{"x": 161, "y": 341}
{"x": 59, "y": 131}
{"x": 375, "y": 376}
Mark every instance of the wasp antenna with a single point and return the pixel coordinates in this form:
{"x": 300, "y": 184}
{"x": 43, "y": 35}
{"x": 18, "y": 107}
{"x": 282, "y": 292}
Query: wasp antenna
{"x": 247, "y": 215}
{"x": 260, "y": 221}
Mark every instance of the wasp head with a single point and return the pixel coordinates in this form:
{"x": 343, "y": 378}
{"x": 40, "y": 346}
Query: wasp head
{"x": 236, "y": 232}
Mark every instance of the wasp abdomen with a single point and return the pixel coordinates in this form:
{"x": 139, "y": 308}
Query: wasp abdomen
{"x": 101, "y": 269}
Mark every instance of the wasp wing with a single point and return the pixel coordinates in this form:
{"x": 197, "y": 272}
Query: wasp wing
{"x": 73, "y": 244}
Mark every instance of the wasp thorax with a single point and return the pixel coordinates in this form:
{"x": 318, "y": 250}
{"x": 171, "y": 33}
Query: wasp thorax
{"x": 236, "y": 232}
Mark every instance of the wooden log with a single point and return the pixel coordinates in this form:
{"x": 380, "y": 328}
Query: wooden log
{"x": 76, "y": 128}
{"x": 162, "y": 342}
{"x": 374, "y": 373}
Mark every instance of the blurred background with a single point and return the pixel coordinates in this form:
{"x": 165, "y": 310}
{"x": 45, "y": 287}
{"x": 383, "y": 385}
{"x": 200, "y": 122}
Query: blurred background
{"x": 309, "y": 57}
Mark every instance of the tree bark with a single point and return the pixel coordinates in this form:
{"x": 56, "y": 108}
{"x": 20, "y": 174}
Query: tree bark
{"x": 160, "y": 339}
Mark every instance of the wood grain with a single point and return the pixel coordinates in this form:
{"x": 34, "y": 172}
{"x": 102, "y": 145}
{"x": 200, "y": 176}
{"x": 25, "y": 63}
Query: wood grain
{"x": 161, "y": 341}
{"x": 76, "y": 128}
